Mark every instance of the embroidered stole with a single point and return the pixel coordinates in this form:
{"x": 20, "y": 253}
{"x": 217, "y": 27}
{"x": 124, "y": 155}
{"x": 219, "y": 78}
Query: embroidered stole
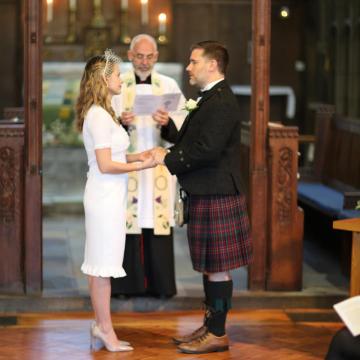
{"x": 162, "y": 177}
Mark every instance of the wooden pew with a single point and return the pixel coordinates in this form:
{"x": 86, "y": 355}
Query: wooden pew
{"x": 284, "y": 255}
{"x": 332, "y": 186}
{"x": 330, "y": 189}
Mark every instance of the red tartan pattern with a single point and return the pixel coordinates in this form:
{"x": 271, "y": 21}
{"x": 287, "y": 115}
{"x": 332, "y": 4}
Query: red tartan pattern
{"x": 219, "y": 232}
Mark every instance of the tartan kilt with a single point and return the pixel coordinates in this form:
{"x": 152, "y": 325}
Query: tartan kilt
{"x": 219, "y": 232}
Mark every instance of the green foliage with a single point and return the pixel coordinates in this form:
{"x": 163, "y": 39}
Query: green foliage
{"x": 357, "y": 207}
{"x": 59, "y": 123}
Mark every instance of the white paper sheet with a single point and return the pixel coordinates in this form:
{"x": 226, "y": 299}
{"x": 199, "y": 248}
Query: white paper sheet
{"x": 148, "y": 104}
{"x": 349, "y": 311}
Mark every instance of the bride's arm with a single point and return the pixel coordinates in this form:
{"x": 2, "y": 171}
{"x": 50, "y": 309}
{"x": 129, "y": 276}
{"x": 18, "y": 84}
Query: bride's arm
{"x": 108, "y": 166}
{"x": 138, "y": 156}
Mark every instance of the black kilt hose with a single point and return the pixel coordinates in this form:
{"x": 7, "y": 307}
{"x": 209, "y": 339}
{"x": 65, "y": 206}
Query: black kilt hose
{"x": 218, "y": 232}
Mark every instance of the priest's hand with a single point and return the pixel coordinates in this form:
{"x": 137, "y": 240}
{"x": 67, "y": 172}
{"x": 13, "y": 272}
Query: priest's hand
{"x": 127, "y": 117}
{"x": 159, "y": 154}
{"x": 161, "y": 117}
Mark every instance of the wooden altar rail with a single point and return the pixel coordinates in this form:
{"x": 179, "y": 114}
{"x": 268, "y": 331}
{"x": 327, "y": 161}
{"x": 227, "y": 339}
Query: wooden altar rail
{"x": 284, "y": 248}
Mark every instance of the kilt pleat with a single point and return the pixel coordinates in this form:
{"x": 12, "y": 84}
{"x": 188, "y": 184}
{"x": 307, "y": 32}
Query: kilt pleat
{"x": 219, "y": 232}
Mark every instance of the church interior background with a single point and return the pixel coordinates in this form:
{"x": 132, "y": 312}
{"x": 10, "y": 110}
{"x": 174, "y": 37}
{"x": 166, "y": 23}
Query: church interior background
{"x": 314, "y": 60}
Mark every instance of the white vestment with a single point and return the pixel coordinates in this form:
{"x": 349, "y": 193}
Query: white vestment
{"x": 148, "y": 136}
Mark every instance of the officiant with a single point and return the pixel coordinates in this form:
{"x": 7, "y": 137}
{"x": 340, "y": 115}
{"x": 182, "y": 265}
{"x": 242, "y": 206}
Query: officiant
{"x": 149, "y": 250}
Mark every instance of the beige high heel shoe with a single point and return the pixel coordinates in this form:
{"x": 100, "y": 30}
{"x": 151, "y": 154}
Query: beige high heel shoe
{"x": 96, "y": 333}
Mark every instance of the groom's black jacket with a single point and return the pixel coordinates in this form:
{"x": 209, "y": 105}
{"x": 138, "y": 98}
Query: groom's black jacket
{"x": 206, "y": 154}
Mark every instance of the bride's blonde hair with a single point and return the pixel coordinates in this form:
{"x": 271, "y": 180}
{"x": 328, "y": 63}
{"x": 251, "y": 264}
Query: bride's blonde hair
{"x": 93, "y": 88}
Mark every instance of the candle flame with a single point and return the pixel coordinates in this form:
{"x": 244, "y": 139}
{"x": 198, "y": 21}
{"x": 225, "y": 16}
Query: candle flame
{"x": 162, "y": 17}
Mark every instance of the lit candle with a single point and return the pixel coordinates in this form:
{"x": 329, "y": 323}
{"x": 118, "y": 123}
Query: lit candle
{"x": 124, "y": 4}
{"x": 144, "y": 12}
{"x": 72, "y": 5}
{"x": 49, "y": 10}
{"x": 162, "y": 24}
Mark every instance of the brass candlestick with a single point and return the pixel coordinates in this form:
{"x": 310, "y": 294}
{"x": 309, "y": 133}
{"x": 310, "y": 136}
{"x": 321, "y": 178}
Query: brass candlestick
{"x": 98, "y": 18}
{"x": 162, "y": 38}
{"x": 124, "y": 32}
{"x": 71, "y": 36}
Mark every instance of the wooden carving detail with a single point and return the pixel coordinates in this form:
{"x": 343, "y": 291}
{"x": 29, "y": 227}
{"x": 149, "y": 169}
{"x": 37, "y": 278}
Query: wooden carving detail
{"x": 14, "y": 112}
{"x": 7, "y": 185}
{"x": 284, "y": 183}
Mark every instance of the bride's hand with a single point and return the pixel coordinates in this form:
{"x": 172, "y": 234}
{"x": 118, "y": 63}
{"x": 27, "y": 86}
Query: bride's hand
{"x": 145, "y": 155}
{"x": 148, "y": 162}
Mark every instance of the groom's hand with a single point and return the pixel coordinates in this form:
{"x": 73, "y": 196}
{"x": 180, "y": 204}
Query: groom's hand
{"x": 159, "y": 155}
{"x": 145, "y": 155}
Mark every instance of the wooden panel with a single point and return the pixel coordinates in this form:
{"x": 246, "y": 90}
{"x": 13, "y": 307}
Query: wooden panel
{"x": 33, "y": 152}
{"x": 322, "y": 133}
{"x": 11, "y": 64}
{"x": 337, "y": 158}
{"x": 355, "y": 265}
{"x": 260, "y": 80}
{"x": 245, "y": 156}
{"x": 11, "y": 209}
{"x": 14, "y": 112}
{"x": 285, "y": 249}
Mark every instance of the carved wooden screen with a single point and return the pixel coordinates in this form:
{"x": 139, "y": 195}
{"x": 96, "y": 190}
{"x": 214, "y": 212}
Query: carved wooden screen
{"x": 12, "y": 276}
{"x": 20, "y": 171}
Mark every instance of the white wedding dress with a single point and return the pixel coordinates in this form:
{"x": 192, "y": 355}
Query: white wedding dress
{"x": 105, "y": 197}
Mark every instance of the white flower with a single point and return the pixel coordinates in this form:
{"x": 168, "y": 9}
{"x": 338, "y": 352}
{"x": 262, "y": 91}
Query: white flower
{"x": 191, "y": 105}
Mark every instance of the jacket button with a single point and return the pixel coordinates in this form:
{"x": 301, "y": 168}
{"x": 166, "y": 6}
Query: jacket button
{"x": 182, "y": 159}
{"x": 180, "y": 152}
{"x": 187, "y": 165}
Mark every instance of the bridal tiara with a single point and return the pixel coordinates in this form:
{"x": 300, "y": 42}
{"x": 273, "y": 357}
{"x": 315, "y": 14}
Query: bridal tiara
{"x": 110, "y": 59}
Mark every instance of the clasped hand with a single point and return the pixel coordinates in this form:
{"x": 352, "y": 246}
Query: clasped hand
{"x": 152, "y": 157}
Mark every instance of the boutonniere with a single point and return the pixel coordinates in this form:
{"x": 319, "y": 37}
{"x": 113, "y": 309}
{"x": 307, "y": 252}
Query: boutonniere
{"x": 157, "y": 83}
{"x": 191, "y": 105}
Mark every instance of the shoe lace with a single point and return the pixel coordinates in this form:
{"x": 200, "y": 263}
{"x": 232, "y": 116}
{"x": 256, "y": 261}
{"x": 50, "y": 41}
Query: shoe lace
{"x": 202, "y": 337}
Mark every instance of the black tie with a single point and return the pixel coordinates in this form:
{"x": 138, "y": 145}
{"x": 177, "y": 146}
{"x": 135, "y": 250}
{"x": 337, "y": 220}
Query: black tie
{"x": 202, "y": 93}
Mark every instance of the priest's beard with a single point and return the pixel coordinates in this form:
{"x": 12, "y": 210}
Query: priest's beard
{"x": 143, "y": 74}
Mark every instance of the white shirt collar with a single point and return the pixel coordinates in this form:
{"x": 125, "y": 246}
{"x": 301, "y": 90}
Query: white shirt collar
{"x": 211, "y": 85}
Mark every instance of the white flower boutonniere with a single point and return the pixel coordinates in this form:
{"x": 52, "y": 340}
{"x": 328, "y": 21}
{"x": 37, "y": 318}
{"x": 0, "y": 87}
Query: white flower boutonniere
{"x": 191, "y": 105}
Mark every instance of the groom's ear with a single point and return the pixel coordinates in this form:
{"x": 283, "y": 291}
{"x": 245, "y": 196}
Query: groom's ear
{"x": 213, "y": 65}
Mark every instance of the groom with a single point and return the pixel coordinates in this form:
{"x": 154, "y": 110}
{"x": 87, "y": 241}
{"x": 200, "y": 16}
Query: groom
{"x": 206, "y": 160}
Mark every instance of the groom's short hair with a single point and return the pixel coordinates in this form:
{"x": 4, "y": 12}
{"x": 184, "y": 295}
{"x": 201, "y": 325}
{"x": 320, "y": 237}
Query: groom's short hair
{"x": 215, "y": 51}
